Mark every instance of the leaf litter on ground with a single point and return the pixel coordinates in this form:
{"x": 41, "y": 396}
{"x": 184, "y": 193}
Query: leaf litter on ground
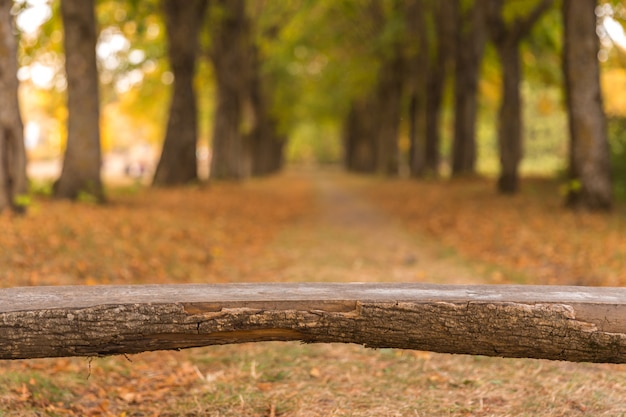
{"x": 229, "y": 232}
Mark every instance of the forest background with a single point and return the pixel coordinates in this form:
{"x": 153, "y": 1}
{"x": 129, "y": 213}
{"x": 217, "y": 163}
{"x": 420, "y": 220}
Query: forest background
{"x": 308, "y": 69}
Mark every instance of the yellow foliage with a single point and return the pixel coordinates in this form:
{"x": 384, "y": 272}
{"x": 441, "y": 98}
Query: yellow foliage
{"x": 613, "y": 82}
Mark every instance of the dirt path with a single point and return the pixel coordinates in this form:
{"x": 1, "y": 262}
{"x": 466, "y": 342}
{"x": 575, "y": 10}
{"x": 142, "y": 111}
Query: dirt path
{"x": 349, "y": 239}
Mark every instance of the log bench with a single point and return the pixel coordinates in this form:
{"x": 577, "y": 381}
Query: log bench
{"x": 581, "y": 324}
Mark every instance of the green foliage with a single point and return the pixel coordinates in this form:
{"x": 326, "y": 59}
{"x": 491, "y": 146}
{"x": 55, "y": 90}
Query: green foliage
{"x": 314, "y": 143}
{"x": 87, "y": 197}
{"x": 22, "y": 201}
{"x": 541, "y": 51}
{"x": 42, "y": 188}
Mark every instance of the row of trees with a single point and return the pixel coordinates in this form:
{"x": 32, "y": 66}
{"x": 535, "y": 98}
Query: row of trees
{"x": 412, "y": 50}
{"x": 246, "y": 140}
{"x": 418, "y": 63}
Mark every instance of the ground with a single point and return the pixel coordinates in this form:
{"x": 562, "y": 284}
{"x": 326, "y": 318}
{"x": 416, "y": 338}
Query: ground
{"x": 309, "y": 226}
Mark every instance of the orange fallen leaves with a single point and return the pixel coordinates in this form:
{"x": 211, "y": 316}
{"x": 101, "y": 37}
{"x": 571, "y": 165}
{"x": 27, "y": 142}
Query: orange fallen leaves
{"x": 168, "y": 235}
{"x": 530, "y": 234}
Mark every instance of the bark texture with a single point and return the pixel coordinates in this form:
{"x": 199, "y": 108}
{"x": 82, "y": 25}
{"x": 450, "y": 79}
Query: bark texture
{"x": 178, "y": 163}
{"x": 549, "y": 322}
{"x": 589, "y": 171}
{"x": 82, "y": 159}
{"x": 13, "y": 181}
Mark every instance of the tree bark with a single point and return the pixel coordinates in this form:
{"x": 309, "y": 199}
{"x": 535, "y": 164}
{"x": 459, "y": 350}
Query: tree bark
{"x": 507, "y": 39}
{"x": 590, "y": 172}
{"x": 13, "y": 181}
{"x": 230, "y": 55}
{"x": 178, "y": 162}
{"x": 582, "y": 324}
{"x": 82, "y": 160}
{"x": 470, "y": 44}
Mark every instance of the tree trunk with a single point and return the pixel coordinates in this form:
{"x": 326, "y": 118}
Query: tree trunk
{"x": 178, "y": 163}
{"x": 266, "y": 144}
{"x": 507, "y": 39}
{"x": 230, "y": 52}
{"x": 419, "y": 66}
{"x": 582, "y": 324}
{"x": 359, "y": 137}
{"x": 372, "y": 126}
{"x": 13, "y": 182}
{"x": 82, "y": 161}
{"x": 510, "y": 120}
{"x": 388, "y": 105}
{"x": 590, "y": 172}
{"x": 445, "y": 16}
{"x": 470, "y": 44}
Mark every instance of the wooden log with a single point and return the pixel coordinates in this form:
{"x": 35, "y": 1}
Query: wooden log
{"x": 581, "y": 324}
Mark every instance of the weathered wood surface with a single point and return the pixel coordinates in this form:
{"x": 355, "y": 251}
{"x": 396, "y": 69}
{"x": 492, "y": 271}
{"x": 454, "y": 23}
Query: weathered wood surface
{"x": 580, "y": 324}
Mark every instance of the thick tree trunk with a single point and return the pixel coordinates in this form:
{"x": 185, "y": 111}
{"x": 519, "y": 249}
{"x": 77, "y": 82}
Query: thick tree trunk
{"x": 83, "y": 159}
{"x": 590, "y": 171}
{"x": 583, "y": 324}
{"x": 231, "y": 47}
{"x": 470, "y": 44}
{"x": 178, "y": 163}
{"x": 13, "y": 182}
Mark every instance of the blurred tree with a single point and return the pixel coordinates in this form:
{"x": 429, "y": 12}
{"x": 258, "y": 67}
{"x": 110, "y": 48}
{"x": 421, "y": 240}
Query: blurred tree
{"x": 589, "y": 161}
{"x": 471, "y": 35}
{"x": 507, "y": 34}
{"x": 265, "y": 142}
{"x": 80, "y": 176}
{"x": 442, "y": 57}
{"x": 419, "y": 66}
{"x": 230, "y": 53}
{"x": 372, "y": 125}
{"x": 178, "y": 158}
{"x": 13, "y": 182}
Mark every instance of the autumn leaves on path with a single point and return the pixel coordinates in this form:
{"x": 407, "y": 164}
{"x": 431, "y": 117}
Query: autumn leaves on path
{"x": 347, "y": 238}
